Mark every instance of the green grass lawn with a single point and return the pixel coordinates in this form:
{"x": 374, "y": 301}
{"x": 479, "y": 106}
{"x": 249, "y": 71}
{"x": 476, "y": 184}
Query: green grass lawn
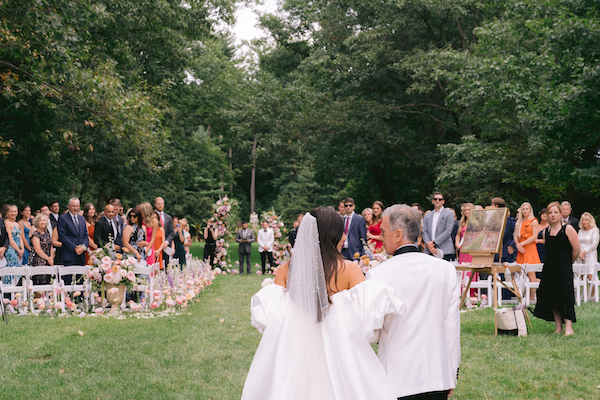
{"x": 196, "y": 356}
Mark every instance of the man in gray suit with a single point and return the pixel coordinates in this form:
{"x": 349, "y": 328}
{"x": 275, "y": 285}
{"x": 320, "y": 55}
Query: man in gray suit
{"x": 245, "y": 237}
{"x": 437, "y": 229}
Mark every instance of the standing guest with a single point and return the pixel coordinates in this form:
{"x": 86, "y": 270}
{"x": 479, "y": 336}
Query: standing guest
{"x": 118, "y": 219}
{"x": 454, "y": 230}
{"x": 543, "y": 224}
{"x": 565, "y": 211}
{"x": 508, "y": 243}
{"x": 588, "y": 236}
{"x": 167, "y": 223}
{"x": 54, "y": 213}
{"x": 374, "y": 230}
{"x": 556, "y": 295}
{"x": 367, "y": 214}
{"x": 341, "y": 208}
{"x": 266, "y": 240}
{"x": 43, "y": 253}
{"x": 437, "y": 228}
{"x": 106, "y": 230}
{"x": 73, "y": 235}
{"x": 159, "y": 243}
{"x": 25, "y": 225}
{"x": 245, "y": 237}
{"x": 186, "y": 235}
{"x": 355, "y": 229}
{"x": 179, "y": 242}
{"x": 16, "y": 248}
{"x": 91, "y": 217}
{"x": 465, "y": 210}
{"x": 134, "y": 235}
{"x": 526, "y": 233}
{"x": 294, "y": 232}
{"x": 430, "y": 326}
{"x": 151, "y": 227}
{"x": 210, "y": 247}
{"x": 4, "y": 242}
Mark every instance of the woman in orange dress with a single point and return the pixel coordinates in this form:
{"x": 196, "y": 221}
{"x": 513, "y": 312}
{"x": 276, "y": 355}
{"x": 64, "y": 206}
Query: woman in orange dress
{"x": 89, "y": 213}
{"x": 159, "y": 240}
{"x": 526, "y": 233}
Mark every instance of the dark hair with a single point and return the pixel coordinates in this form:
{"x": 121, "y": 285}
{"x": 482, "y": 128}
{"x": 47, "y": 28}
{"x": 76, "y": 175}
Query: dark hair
{"x": 348, "y": 200}
{"x": 440, "y": 193}
{"x": 331, "y": 228}
{"x": 86, "y": 210}
{"x": 115, "y": 202}
{"x": 375, "y": 218}
{"x": 543, "y": 211}
{"x": 52, "y": 203}
{"x": 416, "y": 204}
{"x": 498, "y": 202}
{"x": 137, "y": 212}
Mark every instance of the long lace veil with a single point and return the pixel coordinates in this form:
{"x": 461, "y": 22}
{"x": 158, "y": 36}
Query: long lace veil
{"x": 309, "y": 304}
{"x": 306, "y": 278}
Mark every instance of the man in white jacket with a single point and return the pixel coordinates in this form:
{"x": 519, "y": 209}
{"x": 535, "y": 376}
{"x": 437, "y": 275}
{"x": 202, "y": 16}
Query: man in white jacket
{"x": 266, "y": 241}
{"x": 420, "y": 349}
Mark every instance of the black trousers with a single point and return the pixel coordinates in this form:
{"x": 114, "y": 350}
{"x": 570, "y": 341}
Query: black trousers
{"x": 209, "y": 253}
{"x": 263, "y": 259}
{"x": 248, "y": 267}
{"x": 440, "y": 395}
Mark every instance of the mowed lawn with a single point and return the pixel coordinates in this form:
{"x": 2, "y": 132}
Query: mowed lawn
{"x": 205, "y": 353}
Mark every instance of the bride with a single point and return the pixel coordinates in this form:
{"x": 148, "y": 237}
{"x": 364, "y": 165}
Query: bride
{"x": 317, "y": 320}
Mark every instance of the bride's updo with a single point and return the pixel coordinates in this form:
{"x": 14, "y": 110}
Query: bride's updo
{"x": 331, "y": 228}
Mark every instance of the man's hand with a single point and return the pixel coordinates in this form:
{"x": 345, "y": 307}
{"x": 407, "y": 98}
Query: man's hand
{"x": 510, "y": 249}
{"x": 2, "y": 250}
{"x": 431, "y": 248}
{"x": 450, "y": 392}
{"x": 79, "y": 250}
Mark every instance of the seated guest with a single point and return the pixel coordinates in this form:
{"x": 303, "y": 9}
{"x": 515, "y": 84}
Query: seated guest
{"x": 134, "y": 235}
{"x": 43, "y": 252}
{"x": 106, "y": 228}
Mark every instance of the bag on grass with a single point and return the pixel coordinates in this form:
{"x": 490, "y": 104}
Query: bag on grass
{"x": 511, "y": 321}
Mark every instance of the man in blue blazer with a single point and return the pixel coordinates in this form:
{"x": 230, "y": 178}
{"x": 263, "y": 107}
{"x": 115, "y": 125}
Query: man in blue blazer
{"x": 355, "y": 229}
{"x": 73, "y": 234}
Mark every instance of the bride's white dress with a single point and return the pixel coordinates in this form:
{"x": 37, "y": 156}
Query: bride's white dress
{"x": 331, "y": 359}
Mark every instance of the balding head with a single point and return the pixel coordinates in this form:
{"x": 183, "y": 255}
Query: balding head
{"x": 109, "y": 211}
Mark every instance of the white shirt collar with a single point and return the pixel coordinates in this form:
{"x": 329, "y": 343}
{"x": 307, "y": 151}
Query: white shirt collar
{"x": 55, "y": 215}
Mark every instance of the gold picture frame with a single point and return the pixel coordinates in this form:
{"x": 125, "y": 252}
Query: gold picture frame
{"x": 485, "y": 231}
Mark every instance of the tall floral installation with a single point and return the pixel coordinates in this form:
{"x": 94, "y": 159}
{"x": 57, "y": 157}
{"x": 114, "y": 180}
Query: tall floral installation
{"x": 279, "y": 230}
{"x": 224, "y": 214}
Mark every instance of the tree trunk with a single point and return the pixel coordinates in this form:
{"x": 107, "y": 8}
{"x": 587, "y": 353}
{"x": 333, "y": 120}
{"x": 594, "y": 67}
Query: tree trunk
{"x": 253, "y": 178}
{"x": 101, "y": 200}
{"x": 231, "y": 167}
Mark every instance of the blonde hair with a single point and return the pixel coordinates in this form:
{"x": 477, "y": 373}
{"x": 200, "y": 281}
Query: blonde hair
{"x": 519, "y": 221}
{"x": 147, "y": 210}
{"x": 464, "y": 219}
{"x": 36, "y": 222}
{"x": 366, "y": 210}
{"x": 553, "y": 204}
{"x": 587, "y": 215}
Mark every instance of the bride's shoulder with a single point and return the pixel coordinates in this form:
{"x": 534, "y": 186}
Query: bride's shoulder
{"x": 281, "y": 276}
{"x": 350, "y": 273}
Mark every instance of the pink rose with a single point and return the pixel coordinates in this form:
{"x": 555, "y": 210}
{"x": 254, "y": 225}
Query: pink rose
{"x": 170, "y": 302}
{"x": 131, "y": 276}
{"x": 154, "y": 305}
{"x": 106, "y": 260}
{"x": 179, "y": 300}
{"x": 113, "y": 290}
{"x": 14, "y": 302}
{"x": 99, "y": 311}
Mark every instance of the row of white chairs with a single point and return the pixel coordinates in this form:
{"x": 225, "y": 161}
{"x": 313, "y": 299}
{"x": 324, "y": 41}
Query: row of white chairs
{"x": 57, "y": 287}
{"x": 582, "y": 285}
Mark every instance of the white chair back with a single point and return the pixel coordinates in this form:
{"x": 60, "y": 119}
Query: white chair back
{"x": 34, "y": 288}
{"x": 82, "y": 286}
{"x": 12, "y": 288}
{"x": 531, "y": 284}
{"x": 594, "y": 284}
{"x": 580, "y": 282}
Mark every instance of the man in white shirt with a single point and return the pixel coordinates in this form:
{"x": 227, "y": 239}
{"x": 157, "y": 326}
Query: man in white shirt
{"x": 266, "y": 241}
{"x": 437, "y": 229}
{"x": 420, "y": 350}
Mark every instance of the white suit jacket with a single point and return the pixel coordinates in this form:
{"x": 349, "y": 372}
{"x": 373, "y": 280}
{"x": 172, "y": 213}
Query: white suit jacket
{"x": 266, "y": 239}
{"x": 420, "y": 350}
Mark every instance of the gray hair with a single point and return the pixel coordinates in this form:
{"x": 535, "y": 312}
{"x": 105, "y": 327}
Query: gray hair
{"x": 73, "y": 198}
{"x": 566, "y": 203}
{"x": 405, "y": 218}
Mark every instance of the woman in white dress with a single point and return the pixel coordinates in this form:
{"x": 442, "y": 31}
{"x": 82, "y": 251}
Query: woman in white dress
{"x": 317, "y": 320}
{"x": 588, "y": 239}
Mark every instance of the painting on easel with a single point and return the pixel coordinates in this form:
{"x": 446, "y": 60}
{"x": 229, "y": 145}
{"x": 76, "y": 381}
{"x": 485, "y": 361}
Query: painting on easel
{"x": 485, "y": 230}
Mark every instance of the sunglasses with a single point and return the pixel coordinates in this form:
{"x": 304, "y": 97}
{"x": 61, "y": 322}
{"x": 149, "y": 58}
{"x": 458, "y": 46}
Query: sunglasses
{"x": 348, "y": 205}
{"x": 437, "y": 199}
{"x": 133, "y": 216}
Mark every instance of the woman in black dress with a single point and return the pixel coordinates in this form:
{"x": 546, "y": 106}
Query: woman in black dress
{"x": 210, "y": 236}
{"x": 556, "y": 295}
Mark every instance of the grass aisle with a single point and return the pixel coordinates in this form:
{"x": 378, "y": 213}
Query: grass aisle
{"x": 194, "y": 355}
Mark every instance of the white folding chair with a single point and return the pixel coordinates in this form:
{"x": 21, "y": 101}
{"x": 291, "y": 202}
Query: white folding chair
{"x": 188, "y": 259}
{"x": 528, "y": 284}
{"x": 12, "y": 288}
{"x": 594, "y": 284}
{"x": 45, "y": 288}
{"x": 580, "y": 282}
{"x": 484, "y": 284}
{"x": 511, "y": 281}
{"x": 83, "y": 286}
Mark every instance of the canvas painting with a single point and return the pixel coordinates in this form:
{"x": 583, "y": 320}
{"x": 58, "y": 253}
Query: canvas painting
{"x": 485, "y": 230}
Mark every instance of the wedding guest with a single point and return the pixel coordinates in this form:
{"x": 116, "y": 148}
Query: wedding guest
{"x": 210, "y": 247}
{"x": 151, "y": 227}
{"x": 167, "y": 223}
{"x": 26, "y": 228}
{"x": 543, "y": 224}
{"x": 367, "y": 214}
{"x": 565, "y": 211}
{"x": 4, "y": 243}
{"x": 159, "y": 243}
{"x": 454, "y": 231}
{"x": 179, "y": 242}
{"x": 106, "y": 230}
{"x": 437, "y": 228}
{"x": 420, "y": 349}
{"x": 374, "y": 229}
{"x": 508, "y": 243}
{"x": 556, "y": 295}
{"x": 525, "y": 236}
{"x": 341, "y": 208}
{"x": 118, "y": 219}
{"x": 294, "y": 232}
{"x": 43, "y": 252}
{"x": 465, "y": 210}
{"x": 73, "y": 234}
{"x": 54, "y": 213}
{"x": 134, "y": 235}
{"x": 266, "y": 240}
{"x": 588, "y": 236}
{"x": 91, "y": 217}
{"x": 245, "y": 237}
{"x": 15, "y": 249}
{"x": 186, "y": 235}
{"x": 355, "y": 231}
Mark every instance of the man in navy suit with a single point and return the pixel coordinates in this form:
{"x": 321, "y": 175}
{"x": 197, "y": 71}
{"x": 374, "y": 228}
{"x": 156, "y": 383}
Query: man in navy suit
{"x": 73, "y": 234}
{"x": 355, "y": 229}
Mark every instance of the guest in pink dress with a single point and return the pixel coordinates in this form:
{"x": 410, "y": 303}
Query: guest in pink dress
{"x": 465, "y": 211}
{"x": 152, "y": 227}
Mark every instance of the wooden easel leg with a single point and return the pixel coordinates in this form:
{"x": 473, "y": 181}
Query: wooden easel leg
{"x": 464, "y": 295}
{"x": 495, "y": 300}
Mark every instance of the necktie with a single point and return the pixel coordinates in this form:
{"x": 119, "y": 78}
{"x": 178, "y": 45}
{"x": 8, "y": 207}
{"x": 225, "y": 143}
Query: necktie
{"x": 265, "y": 231}
{"x": 112, "y": 227}
{"x": 346, "y": 226}
{"x": 76, "y": 224}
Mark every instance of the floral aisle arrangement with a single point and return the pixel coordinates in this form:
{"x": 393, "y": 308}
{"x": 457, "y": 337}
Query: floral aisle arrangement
{"x": 223, "y": 214}
{"x": 367, "y": 262}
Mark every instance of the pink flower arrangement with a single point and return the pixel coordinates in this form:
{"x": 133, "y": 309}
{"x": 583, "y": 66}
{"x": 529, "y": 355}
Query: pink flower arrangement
{"x": 110, "y": 267}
